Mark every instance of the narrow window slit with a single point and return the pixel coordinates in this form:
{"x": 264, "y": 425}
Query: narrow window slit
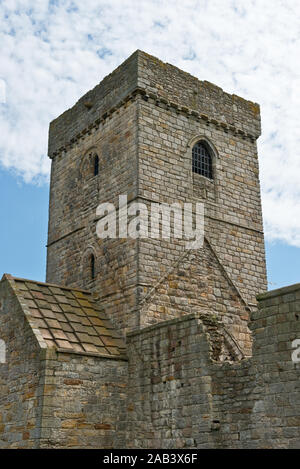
{"x": 96, "y": 165}
{"x": 92, "y": 259}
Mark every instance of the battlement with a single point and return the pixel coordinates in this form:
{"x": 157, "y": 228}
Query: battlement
{"x": 166, "y": 84}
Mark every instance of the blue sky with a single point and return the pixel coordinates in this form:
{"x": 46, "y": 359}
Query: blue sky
{"x": 23, "y": 237}
{"x": 54, "y": 51}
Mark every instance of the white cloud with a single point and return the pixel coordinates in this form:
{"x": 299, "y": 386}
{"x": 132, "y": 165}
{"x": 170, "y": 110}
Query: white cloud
{"x": 2, "y": 91}
{"x": 53, "y": 52}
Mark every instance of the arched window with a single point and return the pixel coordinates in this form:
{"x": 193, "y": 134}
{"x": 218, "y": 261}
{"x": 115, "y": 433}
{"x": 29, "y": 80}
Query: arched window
{"x": 202, "y": 160}
{"x": 89, "y": 165}
{"x": 96, "y": 165}
{"x": 89, "y": 265}
{"x": 92, "y": 266}
{"x": 2, "y": 351}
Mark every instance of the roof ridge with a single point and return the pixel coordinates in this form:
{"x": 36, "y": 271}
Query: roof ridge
{"x": 55, "y": 285}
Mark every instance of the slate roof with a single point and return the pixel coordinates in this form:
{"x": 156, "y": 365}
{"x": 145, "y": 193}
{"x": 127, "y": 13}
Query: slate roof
{"x": 68, "y": 319}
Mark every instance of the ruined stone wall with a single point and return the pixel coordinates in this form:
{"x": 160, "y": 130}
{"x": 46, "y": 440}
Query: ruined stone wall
{"x": 180, "y": 396}
{"x": 21, "y": 376}
{"x": 84, "y": 402}
{"x": 169, "y": 395}
{"x": 259, "y": 399}
{"x": 174, "y": 392}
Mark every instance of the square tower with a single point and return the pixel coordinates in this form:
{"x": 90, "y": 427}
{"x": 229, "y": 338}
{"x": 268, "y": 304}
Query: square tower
{"x": 156, "y": 134}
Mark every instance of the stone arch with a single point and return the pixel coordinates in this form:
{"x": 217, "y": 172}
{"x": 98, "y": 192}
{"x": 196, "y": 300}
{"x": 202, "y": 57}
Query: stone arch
{"x": 89, "y": 264}
{"x": 89, "y": 164}
{"x": 206, "y": 140}
{"x": 202, "y": 186}
{"x": 208, "y": 143}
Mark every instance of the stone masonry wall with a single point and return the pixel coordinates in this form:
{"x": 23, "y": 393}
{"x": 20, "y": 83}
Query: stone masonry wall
{"x": 233, "y": 220}
{"x": 170, "y": 402}
{"x": 21, "y": 377}
{"x": 106, "y": 95}
{"x": 74, "y": 197}
{"x": 198, "y": 284}
{"x": 179, "y": 87}
{"x": 55, "y": 399}
{"x": 84, "y": 402}
{"x": 173, "y": 393}
{"x": 180, "y": 397}
{"x": 260, "y": 398}
{"x": 145, "y": 72}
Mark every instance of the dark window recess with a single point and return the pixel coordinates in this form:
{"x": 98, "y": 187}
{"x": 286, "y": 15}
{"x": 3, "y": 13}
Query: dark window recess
{"x": 96, "y": 165}
{"x": 202, "y": 160}
{"x": 92, "y": 259}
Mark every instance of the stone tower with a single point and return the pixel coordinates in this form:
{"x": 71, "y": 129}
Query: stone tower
{"x": 134, "y": 134}
{"x": 140, "y": 342}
